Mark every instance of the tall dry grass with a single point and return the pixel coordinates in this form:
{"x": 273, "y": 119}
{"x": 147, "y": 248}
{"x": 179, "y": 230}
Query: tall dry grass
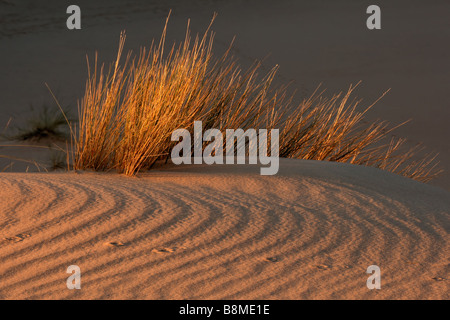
{"x": 129, "y": 112}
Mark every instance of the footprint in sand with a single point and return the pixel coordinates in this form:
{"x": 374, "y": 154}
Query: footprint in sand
{"x": 166, "y": 250}
{"x": 272, "y": 259}
{"x": 439, "y": 279}
{"x": 17, "y": 238}
{"x": 115, "y": 244}
{"x": 323, "y": 267}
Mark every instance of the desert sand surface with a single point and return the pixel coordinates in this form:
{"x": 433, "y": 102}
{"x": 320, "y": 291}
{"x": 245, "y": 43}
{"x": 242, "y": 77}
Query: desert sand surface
{"x": 224, "y": 232}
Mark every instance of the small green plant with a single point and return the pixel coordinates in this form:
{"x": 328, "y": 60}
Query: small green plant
{"x": 45, "y": 128}
{"x": 57, "y": 160}
{"x": 43, "y": 123}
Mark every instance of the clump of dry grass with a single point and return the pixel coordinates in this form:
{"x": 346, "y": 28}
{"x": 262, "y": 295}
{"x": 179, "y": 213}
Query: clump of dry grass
{"x": 331, "y": 129}
{"x": 129, "y": 112}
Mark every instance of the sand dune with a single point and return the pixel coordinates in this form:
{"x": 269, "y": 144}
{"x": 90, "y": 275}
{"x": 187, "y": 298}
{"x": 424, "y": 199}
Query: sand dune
{"x": 224, "y": 232}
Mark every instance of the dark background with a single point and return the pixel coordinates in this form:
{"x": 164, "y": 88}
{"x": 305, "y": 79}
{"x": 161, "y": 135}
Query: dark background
{"x": 313, "y": 42}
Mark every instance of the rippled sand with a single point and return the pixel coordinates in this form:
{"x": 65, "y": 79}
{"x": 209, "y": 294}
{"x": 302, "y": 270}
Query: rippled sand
{"x": 224, "y": 232}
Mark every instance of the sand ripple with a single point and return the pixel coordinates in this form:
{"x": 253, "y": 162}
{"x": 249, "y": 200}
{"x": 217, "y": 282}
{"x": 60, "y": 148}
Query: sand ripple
{"x": 224, "y": 233}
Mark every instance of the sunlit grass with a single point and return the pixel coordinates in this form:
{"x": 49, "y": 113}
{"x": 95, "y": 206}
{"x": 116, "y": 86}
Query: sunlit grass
{"x": 129, "y": 112}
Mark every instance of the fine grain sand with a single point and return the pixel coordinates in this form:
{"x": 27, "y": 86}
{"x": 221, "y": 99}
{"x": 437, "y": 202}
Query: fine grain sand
{"x": 224, "y": 232}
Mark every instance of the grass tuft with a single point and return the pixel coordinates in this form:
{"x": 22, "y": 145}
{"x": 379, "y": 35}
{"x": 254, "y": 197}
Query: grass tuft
{"x": 130, "y": 110}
